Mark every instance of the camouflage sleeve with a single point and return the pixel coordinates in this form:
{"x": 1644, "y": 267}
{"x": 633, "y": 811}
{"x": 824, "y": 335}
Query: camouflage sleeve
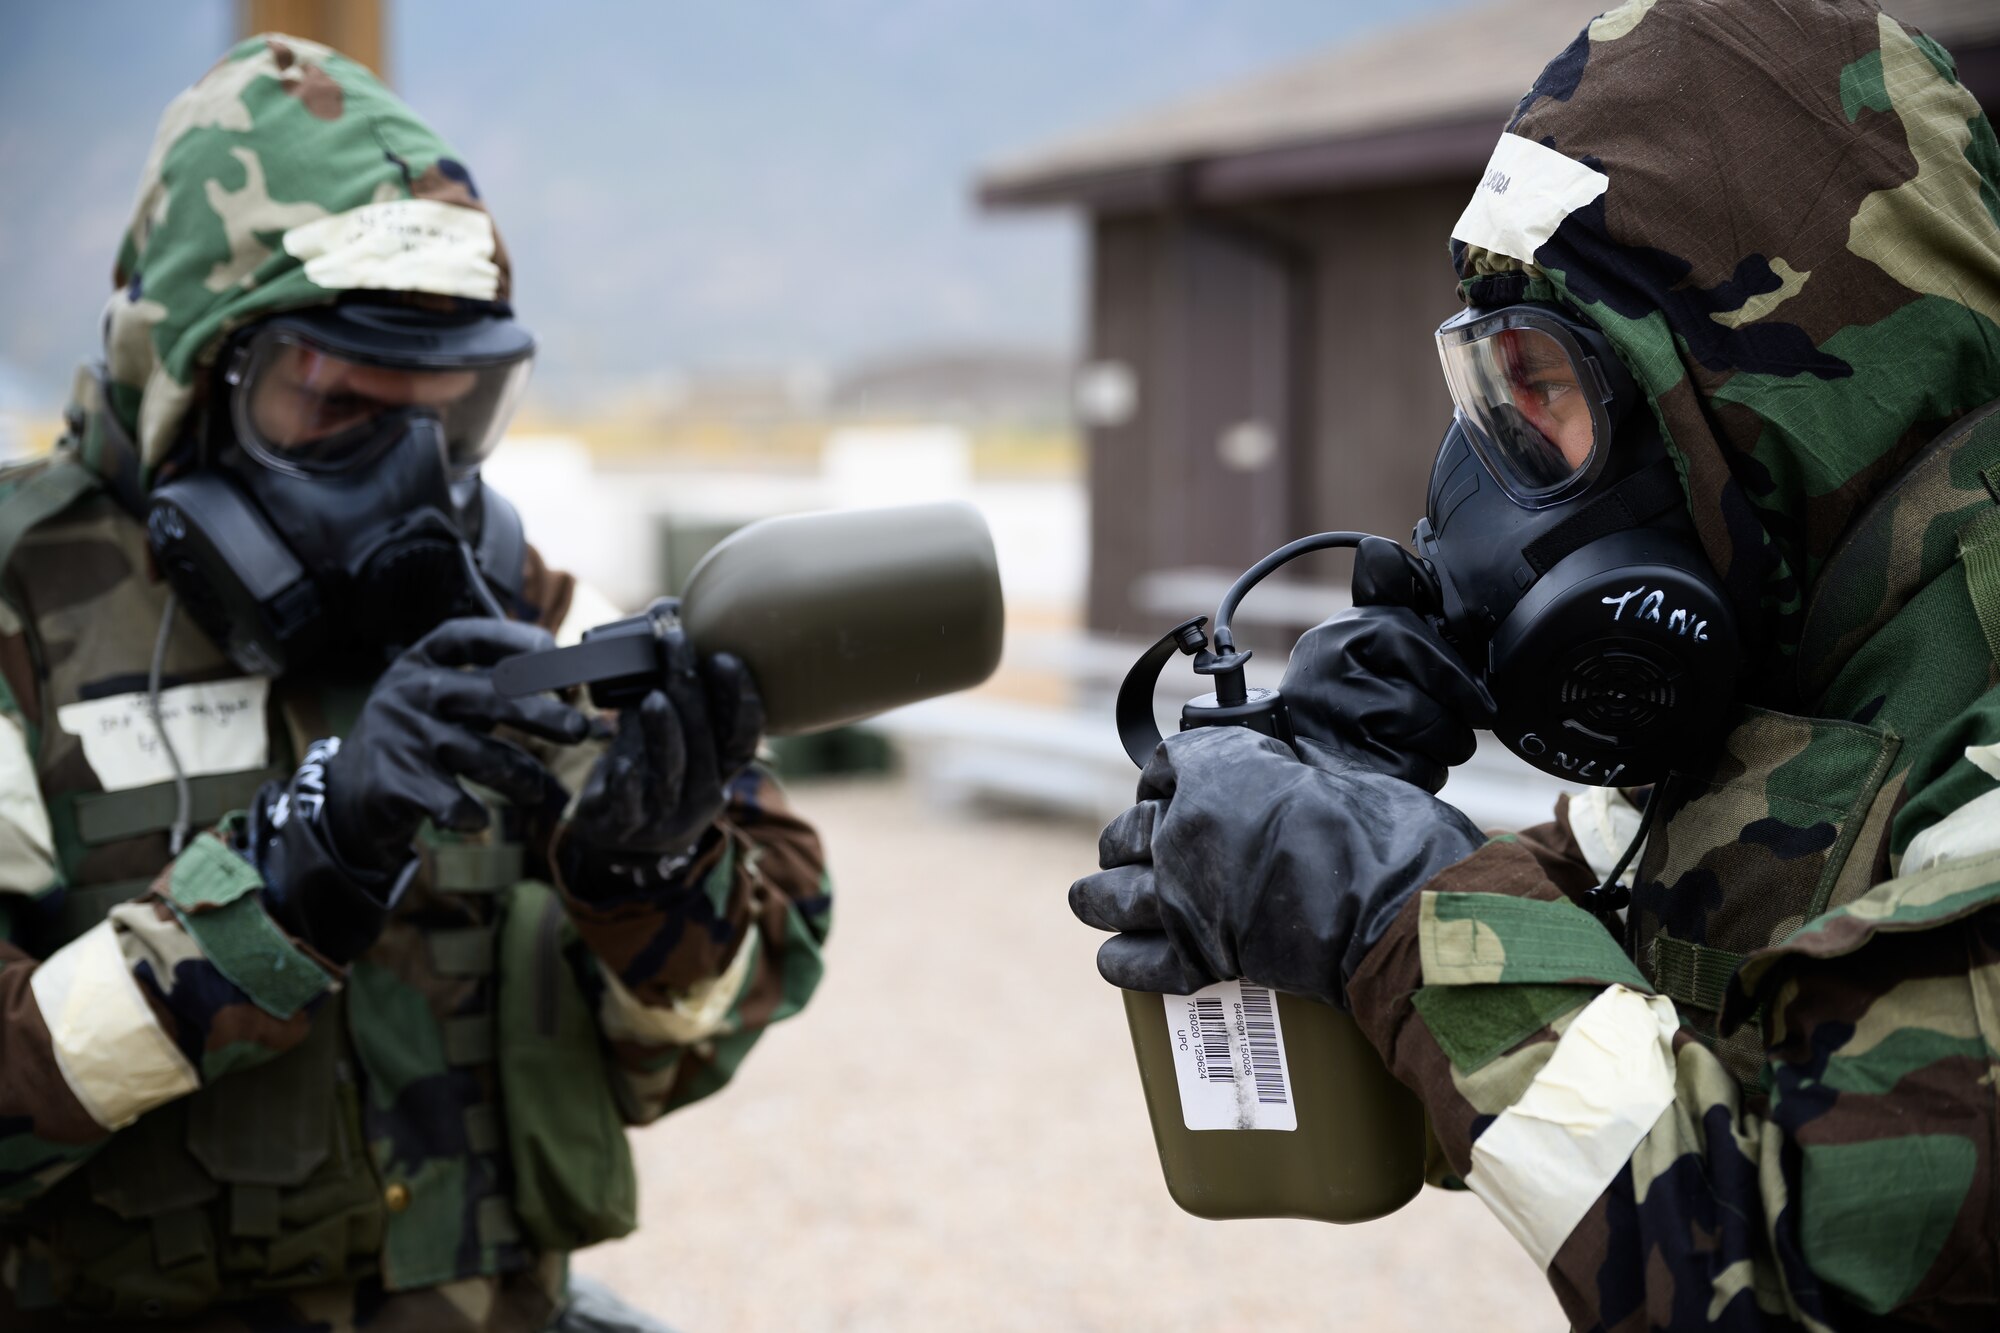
{"x": 689, "y": 974}
{"x": 182, "y": 986}
{"x": 688, "y": 978}
{"x": 1557, "y": 852}
{"x": 1618, "y": 1149}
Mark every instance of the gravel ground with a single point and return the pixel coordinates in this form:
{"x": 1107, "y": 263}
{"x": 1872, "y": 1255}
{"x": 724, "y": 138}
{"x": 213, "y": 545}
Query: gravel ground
{"x": 952, "y": 1136}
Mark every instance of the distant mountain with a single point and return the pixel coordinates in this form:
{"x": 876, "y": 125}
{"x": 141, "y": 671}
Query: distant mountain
{"x": 1005, "y": 385}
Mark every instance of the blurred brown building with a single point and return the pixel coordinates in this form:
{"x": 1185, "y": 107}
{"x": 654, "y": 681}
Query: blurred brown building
{"x": 1267, "y": 263}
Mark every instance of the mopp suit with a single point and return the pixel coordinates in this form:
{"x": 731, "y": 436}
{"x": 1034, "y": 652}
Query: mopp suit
{"x": 1765, "y": 1096}
{"x": 202, "y": 1119}
{"x": 1775, "y": 1101}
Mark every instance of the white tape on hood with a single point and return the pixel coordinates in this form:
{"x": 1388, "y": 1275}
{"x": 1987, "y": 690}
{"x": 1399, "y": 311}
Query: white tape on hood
{"x": 401, "y": 245}
{"x": 1523, "y": 196}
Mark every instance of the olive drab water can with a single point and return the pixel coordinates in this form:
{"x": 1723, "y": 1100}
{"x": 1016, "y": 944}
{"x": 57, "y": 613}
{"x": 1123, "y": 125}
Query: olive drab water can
{"x": 846, "y": 614}
{"x": 1270, "y": 1105}
{"x": 1263, "y": 1104}
{"x": 838, "y": 615}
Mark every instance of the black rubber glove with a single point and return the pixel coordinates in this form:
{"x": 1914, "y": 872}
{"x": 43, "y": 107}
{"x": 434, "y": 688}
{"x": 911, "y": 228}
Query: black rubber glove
{"x": 1379, "y": 683}
{"x": 663, "y": 781}
{"x": 1242, "y": 860}
{"x": 336, "y": 846}
{"x": 308, "y": 890}
{"x": 424, "y": 727}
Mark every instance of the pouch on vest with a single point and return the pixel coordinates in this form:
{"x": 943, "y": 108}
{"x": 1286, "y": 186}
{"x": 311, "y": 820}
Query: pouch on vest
{"x": 1794, "y": 817}
{"x": 1783, "y": 808}
{"x": 255, "y": 1183}
{"x": 573, "y": 1179}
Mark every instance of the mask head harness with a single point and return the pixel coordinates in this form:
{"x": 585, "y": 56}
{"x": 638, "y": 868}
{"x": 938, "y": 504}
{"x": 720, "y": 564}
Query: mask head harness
{"x": 336, "y": 504}
{"x": 1556, "y": 556}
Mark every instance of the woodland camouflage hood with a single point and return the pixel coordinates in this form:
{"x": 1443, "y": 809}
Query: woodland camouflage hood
{"x": 1786, "y": 217}
{"x": 288, "y": 175}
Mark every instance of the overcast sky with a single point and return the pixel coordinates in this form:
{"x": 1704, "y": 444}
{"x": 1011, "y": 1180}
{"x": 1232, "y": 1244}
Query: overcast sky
{"x": 682, "y": 185}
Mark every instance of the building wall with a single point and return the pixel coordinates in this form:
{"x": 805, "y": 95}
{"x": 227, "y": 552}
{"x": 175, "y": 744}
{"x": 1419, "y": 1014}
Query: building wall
{"x": 1202, "y": 474}
{"x": 1126, "y": 305}
{"x": 1382, "y": 282}
{"x": 1286, "y": 384}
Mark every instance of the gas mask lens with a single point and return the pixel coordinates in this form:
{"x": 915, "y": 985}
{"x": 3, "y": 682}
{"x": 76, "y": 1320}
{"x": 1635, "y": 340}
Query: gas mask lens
{"x": 1534, "y": 397}
{"x": 301, "y": 405}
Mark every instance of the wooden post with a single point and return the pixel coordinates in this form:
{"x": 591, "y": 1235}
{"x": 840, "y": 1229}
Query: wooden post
{"x": 352, "y": 27}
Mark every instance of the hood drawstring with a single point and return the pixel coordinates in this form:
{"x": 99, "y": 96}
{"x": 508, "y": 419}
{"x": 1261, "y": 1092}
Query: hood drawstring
{"x": 183, "y": 795}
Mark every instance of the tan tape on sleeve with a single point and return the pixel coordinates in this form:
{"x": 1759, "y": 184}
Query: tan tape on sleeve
{"x": 1604, "y": 824}
{"x": 1971, "y": 830}
{"x": 111, "y": 1049}
{"x": 27, "y": 846}
{"x": 697, "y": 1014}
{"x": 1544, "y": 1160}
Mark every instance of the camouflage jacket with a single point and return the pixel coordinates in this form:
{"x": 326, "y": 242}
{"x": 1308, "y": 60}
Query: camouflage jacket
{"x": 1771, "y": 1103}
{"x": 146, "y": 999}
{"x": 199, "y": 1117}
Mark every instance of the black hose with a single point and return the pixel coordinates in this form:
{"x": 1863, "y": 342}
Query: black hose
{"x": 1225, "y": 641}
{"x": 1606, "y": 900}
{"x": 177, "y": 836}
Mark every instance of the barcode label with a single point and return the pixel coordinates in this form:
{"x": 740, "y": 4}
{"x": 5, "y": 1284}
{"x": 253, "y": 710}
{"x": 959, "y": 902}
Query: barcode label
{"x": 1229, "y": 1058}
{"x": 1214, "y": 1056}
{"x": 1267, "y": 1055}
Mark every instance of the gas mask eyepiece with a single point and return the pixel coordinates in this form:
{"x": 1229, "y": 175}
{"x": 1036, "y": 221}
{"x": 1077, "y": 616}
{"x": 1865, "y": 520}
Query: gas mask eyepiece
{"x": 1541, "y": 396}
{"x": 330, "y": 391}
{"x": 338, "y": 504}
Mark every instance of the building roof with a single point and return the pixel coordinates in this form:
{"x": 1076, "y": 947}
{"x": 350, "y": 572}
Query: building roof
{"x": 1418, "y": 99}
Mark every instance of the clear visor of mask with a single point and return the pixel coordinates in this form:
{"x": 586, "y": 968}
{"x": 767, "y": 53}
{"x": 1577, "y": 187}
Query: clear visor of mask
{"x": 301, "y": 407}
{"x": 1534, "y": 400}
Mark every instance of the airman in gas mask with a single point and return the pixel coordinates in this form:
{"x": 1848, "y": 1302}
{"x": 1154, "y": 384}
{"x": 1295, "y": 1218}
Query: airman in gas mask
{"x": 1733, "y": 297}
{"x": 331, "y": 976}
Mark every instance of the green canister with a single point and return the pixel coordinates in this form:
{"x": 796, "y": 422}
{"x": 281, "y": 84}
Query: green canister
{"x": 845, "y": 614}
{"x": 1266, "y": 1104}
{"x": 838, "y": 615}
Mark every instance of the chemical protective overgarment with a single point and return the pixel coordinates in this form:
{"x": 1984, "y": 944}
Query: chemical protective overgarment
{"x": 200, "y": 1119}
{"x": 1766, "y": 1096}
{"x": 1772, "y": 1103}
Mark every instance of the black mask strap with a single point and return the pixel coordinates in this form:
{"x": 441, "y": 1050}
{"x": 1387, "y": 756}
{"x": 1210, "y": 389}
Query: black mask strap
{"x": 106, "y": 449}
{"x": 502, "y": 548}
{"x": 1634, "y": 502}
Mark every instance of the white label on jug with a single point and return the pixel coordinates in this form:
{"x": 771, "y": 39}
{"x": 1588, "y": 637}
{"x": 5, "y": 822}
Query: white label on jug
{"x": 1229, "y": 1058}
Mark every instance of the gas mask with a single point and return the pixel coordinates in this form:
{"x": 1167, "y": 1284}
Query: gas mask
{"x": 1565, "y": 564}
{"x": 1556, "y": 557}
{"x": 338, "y": 506}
